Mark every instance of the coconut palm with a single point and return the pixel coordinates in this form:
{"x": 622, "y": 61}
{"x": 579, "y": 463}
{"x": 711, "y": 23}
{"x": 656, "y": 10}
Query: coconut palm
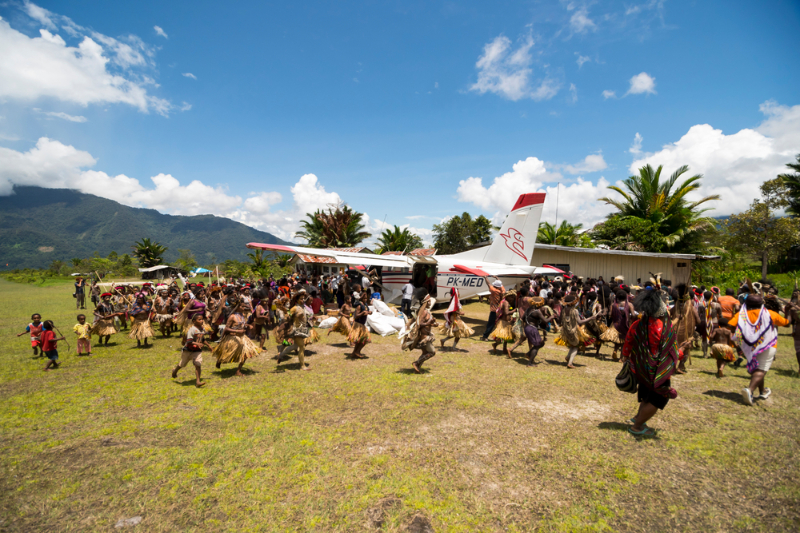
{"x": 664, "y": 204}
{"x": 565, "y": 234}
{"x": 258, "y": 259}
{"x": 148, "y": 253}
{"x": 398, "y": 240}
{"x": 337, "y": 227}
{"x": 792, "y": 184}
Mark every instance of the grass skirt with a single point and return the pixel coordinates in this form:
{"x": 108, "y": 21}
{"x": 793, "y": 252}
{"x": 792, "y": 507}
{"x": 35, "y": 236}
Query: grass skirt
{"x": 164, "y": 320}
{"x": 141, "y": 329}
{"x": 358, "y": 334}
{"x": 457, "y": 329}
{"x": 103, "y": 327}
{"x": 235, "y": 349}
{"x": 723, "y": 352}
{"x": 503, "y": 331}
{"x": 342, "y": 326}
{"x": 313, "y": 336}
{"x": 281, "y": 332}
{"x": 611, "y": 335}
{"x": 583, "y": 335}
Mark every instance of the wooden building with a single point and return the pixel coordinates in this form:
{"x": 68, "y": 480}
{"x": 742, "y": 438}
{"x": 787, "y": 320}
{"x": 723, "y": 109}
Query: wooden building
{"x": 595, "y": 262}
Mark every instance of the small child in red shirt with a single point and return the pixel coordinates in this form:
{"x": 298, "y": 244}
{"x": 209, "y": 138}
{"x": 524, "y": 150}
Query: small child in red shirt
{"x": 35, "y": 329}
{"x": 49, "y": 345}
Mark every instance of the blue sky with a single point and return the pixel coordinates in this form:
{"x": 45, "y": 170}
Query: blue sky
{"x": 408, "y": 111}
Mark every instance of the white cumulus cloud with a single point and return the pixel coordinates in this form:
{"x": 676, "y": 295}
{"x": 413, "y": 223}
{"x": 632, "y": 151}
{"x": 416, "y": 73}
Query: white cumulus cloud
{"x": 642, "y": 83}
{"x": 582, "y": 59}
{"x": 636, "y": 147}
{"x": 189, "y": 75}
{"x": 580, "y": 22}
{"x": 591, "y": 163}
{"x": 160, "y": 32}
{"x": 609, "y": 94}
{"x": 735, "y": 165}
{"x": 96, "y": 69}
{"x": 507, "y": 72}
{"x": 61, "y": 115}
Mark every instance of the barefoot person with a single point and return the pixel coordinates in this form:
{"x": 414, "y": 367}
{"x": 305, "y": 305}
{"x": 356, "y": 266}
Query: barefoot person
{"x": 757, "y": 336}
{"x": 84, "y": 333}
{"x": 454, "y": 327}
{"x": 504, "y": 327}
{"x": 235, "y": 347}
{"x": 722, "y": 348}
{"x": 50, "y": 344}
{"x": 653, "y": 353}
{"x": 420, "y": 335}
{"x": 535, "y": 320}
{"x": 104, "y": 319}
{"x": 35, "y": 331}
{"x": 622, "y": 314}
{"x": 163, "y": 308}
{"x": 141, "y": 330}
{"x": 343, "y": 324}
{"x": 359, "y": 336}
{"x": 298, "y": 330}
{"x": 572, "y": 335}
{"x": 193, "y": 349}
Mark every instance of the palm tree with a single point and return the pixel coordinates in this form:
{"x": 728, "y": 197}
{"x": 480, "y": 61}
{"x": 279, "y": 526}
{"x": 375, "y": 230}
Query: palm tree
{"x": 337, "y": 227}
{"x": 257, "y": 257}
{"x": 565, "y": 235}
{"x": 792, "y": 184}
{"x": 398, "y": 240}
{"x": 664, "y": 204}
{"x": 282, "y": 260}
{"x": 148, "y": 253}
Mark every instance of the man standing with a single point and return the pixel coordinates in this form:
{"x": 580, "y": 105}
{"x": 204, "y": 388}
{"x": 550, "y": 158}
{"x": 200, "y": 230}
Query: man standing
{"x": 405, "y": 303}
{"x": 496, "y": 295}
{"x": 80, "y": 293}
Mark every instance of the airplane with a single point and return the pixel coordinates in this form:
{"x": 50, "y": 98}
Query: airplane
{"x": 508, "y": 259}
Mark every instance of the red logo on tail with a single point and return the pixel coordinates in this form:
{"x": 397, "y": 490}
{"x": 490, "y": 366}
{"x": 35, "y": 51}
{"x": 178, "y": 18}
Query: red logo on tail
{"x": 514, "y": 242}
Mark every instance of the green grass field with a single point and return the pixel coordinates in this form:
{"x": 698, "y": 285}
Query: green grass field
{"x": 476, "y": 443}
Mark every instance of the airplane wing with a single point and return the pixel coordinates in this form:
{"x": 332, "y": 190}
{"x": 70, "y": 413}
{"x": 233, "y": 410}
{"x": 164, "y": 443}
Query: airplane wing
{"x": 493, "y": 270}
{"x": 344, "y": 258}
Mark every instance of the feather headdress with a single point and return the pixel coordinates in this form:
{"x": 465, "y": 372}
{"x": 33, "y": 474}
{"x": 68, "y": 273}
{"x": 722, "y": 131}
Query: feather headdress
{"x": 655, "y": 279}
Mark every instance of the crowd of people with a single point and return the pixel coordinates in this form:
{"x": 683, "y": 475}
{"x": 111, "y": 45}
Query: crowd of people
{"x": 652, "y": 327}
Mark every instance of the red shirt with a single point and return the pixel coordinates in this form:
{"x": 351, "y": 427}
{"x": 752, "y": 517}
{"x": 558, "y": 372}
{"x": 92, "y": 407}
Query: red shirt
{"x": 316, "y": 305}
{"x": 48, "y": 341}
{"x": 654, "y": 329}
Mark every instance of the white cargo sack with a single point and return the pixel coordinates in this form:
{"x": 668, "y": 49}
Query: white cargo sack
{"x": 328, "y": 322}
{"x": 382, "y": 308}
{"x": 380, "y": 325}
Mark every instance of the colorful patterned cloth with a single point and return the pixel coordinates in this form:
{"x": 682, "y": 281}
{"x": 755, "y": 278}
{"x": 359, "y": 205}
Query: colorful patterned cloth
{"x": 651, "y": 347}
{"x": 755, "y": 337}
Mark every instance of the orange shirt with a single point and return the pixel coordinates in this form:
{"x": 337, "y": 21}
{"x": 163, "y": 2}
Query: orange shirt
{"x": 752, "y": 315}
{"x": 729, "y": 304}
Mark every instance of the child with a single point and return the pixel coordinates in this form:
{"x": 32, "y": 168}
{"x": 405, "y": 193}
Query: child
{"x": 193, "y": 349}
{"x": 84, "y": 333}
{"x": 35, "y": 329}
{"x": 49, "y": 345}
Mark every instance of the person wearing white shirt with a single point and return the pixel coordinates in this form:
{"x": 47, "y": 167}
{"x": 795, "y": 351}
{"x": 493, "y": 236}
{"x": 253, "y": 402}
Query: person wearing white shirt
{"x": 405, "y": 303}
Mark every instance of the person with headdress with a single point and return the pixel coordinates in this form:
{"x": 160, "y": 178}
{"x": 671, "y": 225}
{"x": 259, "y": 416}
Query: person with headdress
{"x": 596, "y": 327}
{"x": 261, "y": 318}
{"x": 454, "y": 327}
{"x": 122, "y": 302}
{"x": 534, "y": 320}
{"x": 652, "y": 350}
{"x": 235, "y": 347}
{"x": 757, "y": 336}
{"x": 343, "y": 324}
{"x": 496, "y": 292}
{"x": 573, "y": 335}
{"x": 622, "y": 312}
{"x": 297, "y": 329}
{"x": 418, "y": 333}
{"x": 710, "y": 312}
{"x": 163, "y": 308}
{"x": 504, "y": 326}
{"x": 687, "y": 319}
{"x": 104, "y": 319}
{"x": 141, "y": 330}
{"x": 359, "y": 336}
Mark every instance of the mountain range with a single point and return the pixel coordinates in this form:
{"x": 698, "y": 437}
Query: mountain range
{"x": 39, "y": 225}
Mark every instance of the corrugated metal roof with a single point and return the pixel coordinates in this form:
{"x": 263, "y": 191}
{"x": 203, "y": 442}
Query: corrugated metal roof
{"x": 423, "y": 251}
{"x": 392, "y": 253}
{"x": 617, "y": 252}
{"x": 316, "y": 259}
{"x": 356, "y": 250}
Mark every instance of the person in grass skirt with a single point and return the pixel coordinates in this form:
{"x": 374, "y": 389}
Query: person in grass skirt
{"x": 297, "y": 329}
{"x": 359, "y": 336}
{"x": 573, "y": 336}
{"x": 622, "y": 314}
{"x": 419, "y": 334}
{"x": 343, "y": 325}
{"x": 454, "y": 327}
{"x": 504, "y": 328}
{"x": 104, "y": 319}
{"x": 235, "y": 346}
{"x": 162, "y": 305}
{"x": 141, "y": 330}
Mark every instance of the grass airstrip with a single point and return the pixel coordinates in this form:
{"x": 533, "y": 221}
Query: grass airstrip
{"x": 477, "y": 443}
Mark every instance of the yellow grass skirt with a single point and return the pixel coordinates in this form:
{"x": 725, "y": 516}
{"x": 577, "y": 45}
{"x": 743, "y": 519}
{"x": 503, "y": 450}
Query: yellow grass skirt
{"x": 723, "y": 352}
{"x": 457, "y": 329}
{"x": 235, "y": 349}
{"x": 342, "y": 326}
{"x": 583, "y": 335}
{"x": 104, "y": 327}
{"x": 503, "y": 331}
{"x": 611, "y": 335}
{"x": 313, "y": 336}
{"x": 141, "y": 329}
{"x": 359, "y": 334}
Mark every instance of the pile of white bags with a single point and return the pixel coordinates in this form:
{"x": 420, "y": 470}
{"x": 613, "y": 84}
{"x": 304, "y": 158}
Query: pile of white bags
{"x": 328, "y": 322}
